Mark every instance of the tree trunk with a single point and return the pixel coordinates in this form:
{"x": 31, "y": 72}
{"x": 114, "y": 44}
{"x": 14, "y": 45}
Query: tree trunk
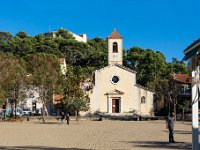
{"x": 183, "y": 116}
{"x": 15, "y": 108}
{"x": 46, "y": 111}
{"x": 76, "y": 115}
{"x": 175, "y": 112}
{"x": 12, "y": 109}
{"x": 43, "y": 113}
{"x": 45, "y": 103}
{"x": 156, "y": 104}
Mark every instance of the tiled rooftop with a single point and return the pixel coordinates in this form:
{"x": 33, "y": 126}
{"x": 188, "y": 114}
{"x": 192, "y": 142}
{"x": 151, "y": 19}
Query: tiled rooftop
{"x": 185, "y": 78}
{"x": 115, "y": 35}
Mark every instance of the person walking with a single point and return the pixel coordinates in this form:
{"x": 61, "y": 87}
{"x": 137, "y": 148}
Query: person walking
{"x": 62, "y": 117}
{"x": 170, "y": 126}
{"x": 67, "y": 118}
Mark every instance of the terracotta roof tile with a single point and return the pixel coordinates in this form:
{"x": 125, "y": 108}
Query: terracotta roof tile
{"x": 57, "y": 97}
{"x": 185, "y": 78}
{"x": 61, "y": 60}
{"x": 114, "y": 35}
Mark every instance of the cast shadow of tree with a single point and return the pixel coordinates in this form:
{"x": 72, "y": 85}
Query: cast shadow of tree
{"x": 37, "y": 148}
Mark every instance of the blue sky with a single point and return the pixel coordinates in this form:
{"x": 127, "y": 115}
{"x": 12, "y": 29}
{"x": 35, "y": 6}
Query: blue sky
{"x": 168, "y": 26}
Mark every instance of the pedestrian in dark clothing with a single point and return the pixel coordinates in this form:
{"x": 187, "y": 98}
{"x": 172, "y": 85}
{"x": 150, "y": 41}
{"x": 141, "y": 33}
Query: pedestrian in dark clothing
{"x": 170, "y": 126}
{"x": 67, "y": 118}
{"x": 62, "y": 117}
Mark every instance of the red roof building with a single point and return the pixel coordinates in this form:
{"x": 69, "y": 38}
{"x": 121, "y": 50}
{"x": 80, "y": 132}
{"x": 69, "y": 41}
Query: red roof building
{"x": 183, "y": 84}
{"x": 184, "y": 78}
{"x": 57, "y": 99}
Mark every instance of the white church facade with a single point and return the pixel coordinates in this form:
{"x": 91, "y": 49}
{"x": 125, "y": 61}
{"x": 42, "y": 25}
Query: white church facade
{"x": 115, "y": 90}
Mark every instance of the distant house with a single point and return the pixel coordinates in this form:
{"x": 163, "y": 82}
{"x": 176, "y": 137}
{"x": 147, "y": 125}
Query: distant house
{"x": 63, "y": 65}
{"x": 58, "y": 105}
{"x": 80, "y": 37}
{"x": 183, "y": 85}
{"x": 32, "y": 101}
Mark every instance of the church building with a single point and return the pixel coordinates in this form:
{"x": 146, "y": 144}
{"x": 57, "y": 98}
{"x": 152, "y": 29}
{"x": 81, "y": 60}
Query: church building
{"x": 115, "y": 90}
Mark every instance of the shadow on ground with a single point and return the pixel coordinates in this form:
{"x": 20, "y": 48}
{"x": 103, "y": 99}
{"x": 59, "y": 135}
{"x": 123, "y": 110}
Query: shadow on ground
{"x": 161, "y": 145}
{"x": 180, "y": 132}
{"x": 47, "y": 122}
{"x": 36, "y": 148}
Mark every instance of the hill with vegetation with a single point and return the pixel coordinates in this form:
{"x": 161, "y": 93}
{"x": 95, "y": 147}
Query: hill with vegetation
{"x": 33, "y": 60}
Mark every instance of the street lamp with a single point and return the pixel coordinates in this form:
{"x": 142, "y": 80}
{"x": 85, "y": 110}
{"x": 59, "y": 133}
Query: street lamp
{"x": 192, "y": 54}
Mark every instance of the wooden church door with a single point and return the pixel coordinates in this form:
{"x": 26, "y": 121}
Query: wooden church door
{"x": 115, "y": 105}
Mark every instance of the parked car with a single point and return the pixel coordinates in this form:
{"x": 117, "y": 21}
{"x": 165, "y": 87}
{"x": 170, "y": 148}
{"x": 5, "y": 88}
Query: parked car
{"x": 27, "y": 112}
{"x": 19, "y": 112}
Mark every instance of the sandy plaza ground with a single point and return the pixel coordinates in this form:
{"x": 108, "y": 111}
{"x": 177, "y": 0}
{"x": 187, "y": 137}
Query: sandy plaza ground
{"x": 93, "y": 135}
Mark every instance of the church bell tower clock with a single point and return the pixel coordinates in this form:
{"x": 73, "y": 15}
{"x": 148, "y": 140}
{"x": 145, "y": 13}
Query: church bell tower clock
{"x": 115, "y": 50}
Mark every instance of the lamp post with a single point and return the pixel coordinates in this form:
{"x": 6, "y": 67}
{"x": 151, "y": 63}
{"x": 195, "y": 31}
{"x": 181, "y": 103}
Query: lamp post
{"x": 195, "y": 110}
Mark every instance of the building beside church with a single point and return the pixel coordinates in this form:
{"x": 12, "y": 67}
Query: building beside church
{"x": 114, "y": 88}
{"x": 183, "y": 84}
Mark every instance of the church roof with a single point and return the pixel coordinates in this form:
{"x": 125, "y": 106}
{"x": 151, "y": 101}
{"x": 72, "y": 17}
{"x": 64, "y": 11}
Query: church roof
{"x": 145, "y": 88}
{"x": 120, "y": 66}
{"x": 114, "y": 35}
{"x": 125, "y": 68}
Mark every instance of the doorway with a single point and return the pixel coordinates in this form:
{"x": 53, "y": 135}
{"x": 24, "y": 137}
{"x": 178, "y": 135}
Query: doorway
{"x": 115, "y": 105}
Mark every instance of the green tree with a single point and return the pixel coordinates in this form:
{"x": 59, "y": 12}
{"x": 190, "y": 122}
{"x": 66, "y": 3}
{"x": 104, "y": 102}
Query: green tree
{"x": 5, "y": 37}
{"x": 74, "y": 98}
{"x": 64, "y": 34}
{"x": 178, "y": 67}
{"x": 154, "y": 72}
{"x": 12, "y": 76}
{"x": 185, "y": 105}
{"x": 98, "y": 56}
{"x": 45, "y": 74}
{"x": 22, "y": 34}
{"x": 20, "y": 47}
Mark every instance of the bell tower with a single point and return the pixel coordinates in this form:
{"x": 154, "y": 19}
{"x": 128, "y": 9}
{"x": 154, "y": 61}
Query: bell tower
{"x": 115, "y": 50}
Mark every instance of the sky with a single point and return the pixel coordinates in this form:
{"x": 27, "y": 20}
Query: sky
{"x": 168, "y": 26}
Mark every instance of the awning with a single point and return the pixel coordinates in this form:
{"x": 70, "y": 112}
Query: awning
{"x": 191, "y": 54}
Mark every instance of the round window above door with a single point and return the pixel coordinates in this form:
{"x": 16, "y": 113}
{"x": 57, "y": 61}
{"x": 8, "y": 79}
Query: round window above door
{"x": 115, "y": 79}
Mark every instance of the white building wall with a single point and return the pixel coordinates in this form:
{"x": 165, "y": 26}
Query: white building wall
{"x": 32, "y": 95}
{"x": 100, "y": 101}
{"x": 145, "y": 108}
{"x": 80, "y": 38}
